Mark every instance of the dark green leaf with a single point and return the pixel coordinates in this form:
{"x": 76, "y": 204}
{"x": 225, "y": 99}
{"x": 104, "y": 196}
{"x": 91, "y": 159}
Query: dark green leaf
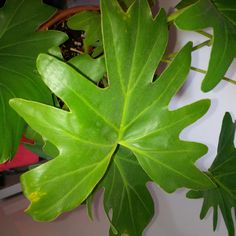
{"x": 19, "y": 47}
{"x": 127, "y": 196}
{"x": 221, "y": 16}
{"x": 223, "y": 173}
{"x": 131, "y": 112}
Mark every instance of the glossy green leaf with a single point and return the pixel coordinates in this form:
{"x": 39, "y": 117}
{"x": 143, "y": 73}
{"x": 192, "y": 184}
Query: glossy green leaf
{"x": 131, "y": 112}
{"x": 93, "y": 69}
{"x": 223, "y": 173}
{"x": 220, "y": 15}
{"x": 88, "y": 21}
{"x": 19, "y": 48}
{"x": 127, "y": 196}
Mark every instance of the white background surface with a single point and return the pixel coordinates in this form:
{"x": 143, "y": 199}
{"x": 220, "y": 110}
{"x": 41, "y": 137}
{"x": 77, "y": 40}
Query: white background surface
{"x": 175, "y": 214}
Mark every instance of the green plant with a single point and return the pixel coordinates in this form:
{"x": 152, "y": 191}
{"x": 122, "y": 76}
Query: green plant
{"x": 120, "y": 136}
{"x": 20, "y": 46}
{"x": 223, "y": 173}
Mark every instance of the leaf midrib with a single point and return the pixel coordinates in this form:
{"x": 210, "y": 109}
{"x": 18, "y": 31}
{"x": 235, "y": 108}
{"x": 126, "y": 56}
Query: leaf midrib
{"x": 126, "y": 188}
{"x": 127, "y": 95}
{"x": 225, "y": 188}
{"x": 22, "y": 22}
{"x": 156, "y": 100}
{"x": 26, "y": 78}
{"x": 128, "y": 185}
{"x": 77, "y": 138}
{"x": 115, "y": 56}
{"x": 25, "y": 41}
{"x": 89, "y": 105}
{"x": 10, "y": 18}
{"x": 164, "y": 165}
{"x": 126, "y": 92}
{"x": 16, "y": 55}
{"x": 162, "y": 128}
{"x": 221, "y": 164}
{"x": 221, "y": 14}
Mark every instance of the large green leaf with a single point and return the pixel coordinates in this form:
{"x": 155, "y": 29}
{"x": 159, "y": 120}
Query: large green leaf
{"x": 223, "y": 173}
{"x": 19, "y": 47}
{"x": 131, "y": 112}
{"x": 126, "y": 195}
{"x": 221, "y": 16}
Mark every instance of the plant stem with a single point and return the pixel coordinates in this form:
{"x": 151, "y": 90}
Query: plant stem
{"x": 204, "y": 72}
{"x": 201, "y": 71}
{"x": 203, "y": 44}
{"x": 198, "y": 46}
{"x": 204, "y": 34}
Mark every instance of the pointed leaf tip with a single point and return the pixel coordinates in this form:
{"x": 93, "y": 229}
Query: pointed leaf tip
{"x": 201, "y": 14}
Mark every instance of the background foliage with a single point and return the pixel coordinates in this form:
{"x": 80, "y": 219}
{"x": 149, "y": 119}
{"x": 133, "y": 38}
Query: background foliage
{"x": 20, "y": 46}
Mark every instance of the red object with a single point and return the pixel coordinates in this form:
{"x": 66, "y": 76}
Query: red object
{"x": 23, "y": 157}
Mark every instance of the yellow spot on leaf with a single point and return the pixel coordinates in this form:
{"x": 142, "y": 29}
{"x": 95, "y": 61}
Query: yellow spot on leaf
{"x": 35, "y": 196}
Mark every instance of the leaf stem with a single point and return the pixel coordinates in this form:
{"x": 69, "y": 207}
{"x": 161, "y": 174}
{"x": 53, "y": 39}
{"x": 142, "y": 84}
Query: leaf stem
{"x": 204, "y": 34}
{"x": 201, "y": 71}
{"x": 204, "y": 72}
{"x": 198, "y": 46}
{"x": 203, "y": 44}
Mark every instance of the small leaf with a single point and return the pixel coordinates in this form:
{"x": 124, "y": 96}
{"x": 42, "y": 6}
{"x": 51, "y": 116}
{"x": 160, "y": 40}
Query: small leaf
{"x": 220, "y": 15}
{"x": 126, "y": 195}
{"x": 131, "y": 112}
{"x": 94, "y": 69}
{"x": 223, "y": 173}
{"x": 90, "y": 22}
{"x": 19, "y": 48}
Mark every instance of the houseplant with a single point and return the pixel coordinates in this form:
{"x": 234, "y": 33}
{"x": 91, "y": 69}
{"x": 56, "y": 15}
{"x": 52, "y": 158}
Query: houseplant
{"x": 121, "y": 136}
{"x": 20, "y": 45}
